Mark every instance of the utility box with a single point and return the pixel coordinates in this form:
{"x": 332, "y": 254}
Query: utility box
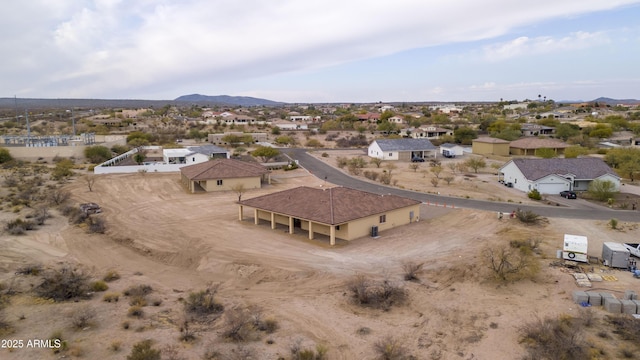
{"x": 615, "y": 255}
{"x": 575, "y": 248}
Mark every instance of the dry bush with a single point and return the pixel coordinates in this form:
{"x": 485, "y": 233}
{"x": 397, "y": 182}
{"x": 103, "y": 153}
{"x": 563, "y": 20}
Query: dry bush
{"x": 135, "y": 311}
{"x": 411, "y": 270}
{"x": 300, "y": 353}
{"x": 64, "y": 283}
{"x": 507, "y": 263}
{"x": 19, "y": 226}
{"x": 529, "y": 217}
{"x": 98, "y": 286}
{"x": 554, "y": 338}
{"x": 31, "y": 269}
{"x": 144, "y": 351}
{"x": 377, "y": 294}
{"x": 111, "y": 275}
{"x": 58, "y": 196}
{"x": 390, "y": 348}
{"x": 203, "y": 302}
{"x": 625, "y": 326}
{"x": 239, "y": 325}
{"x": 111, "y": 297}
{"x": 82, "y": 316}
{"x": 138, "y": 300}
{"x": 138, "y": 290}
{"x": 172, "y": 352}
{"x": 187, "y": 333}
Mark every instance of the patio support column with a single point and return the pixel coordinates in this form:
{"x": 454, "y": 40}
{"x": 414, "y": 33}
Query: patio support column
{"x": 332, "y": 235}
{"x": 273, "y": 221}
{"x": 240, "y": 212}
{"x": 290, "y": 224}
{"x": 310, "y": 230}
{"x": 256, "y": 219}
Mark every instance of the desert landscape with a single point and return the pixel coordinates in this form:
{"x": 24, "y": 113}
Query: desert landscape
{"x": 174, "y": 244}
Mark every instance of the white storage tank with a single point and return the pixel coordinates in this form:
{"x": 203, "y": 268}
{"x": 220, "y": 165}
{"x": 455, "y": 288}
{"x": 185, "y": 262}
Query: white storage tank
{"x": 575, "y": 248}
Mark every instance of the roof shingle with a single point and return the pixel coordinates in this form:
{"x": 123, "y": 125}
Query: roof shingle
{"x": 223, "y": 169}
{"x": 582, "y": 168}
{"x": 333, "y": 206}
{"x": 405, "y": 144}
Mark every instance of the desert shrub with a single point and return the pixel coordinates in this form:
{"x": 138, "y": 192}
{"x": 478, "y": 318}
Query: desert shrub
{"x": 554, "y": 338}
{"x": 138, "y": 290}
{"x": 82, "y": 316}
{"x": 377, "y": 294}
{"x": 144, "y": 351}
{"x": 172, "y": 352}
{"x": 135, "y": 311}
{"x": 529, "y": 217}
{"x": 269, "y": 325}
{"x": 96, "y": 225}
{"x": 203, "y": 302}
{"x": 342, "y": 161}
{"x": 111, "y": 275}
{"x": 97, "y": 154}
{"x": 99, "y": 286}
{"x": 186, "y": 333}
{"x": 64, "y": 283}
{"x": 534, "y": 194}
{"x": 239, "y": 325}
{"x": 625, "y": 326}
{"x": 324, "y": 154}
{"x": 371, "y": 175}
{"x": 31, "y": 269}
{"x": 314, "y": 143}
{"x": 508, "y": 263}
{"x": 390, "y": 348}
{"x": 138, "y": 300}
{"x": 111, "y": 297}
{"x": 613, "y": 223}
{"x": 19, "y": 226}
{"x": 411, "y": 270}
{"x": 75, "y": 215}
{"x": 601, "y": 189}
{"x": 115, "y": 346}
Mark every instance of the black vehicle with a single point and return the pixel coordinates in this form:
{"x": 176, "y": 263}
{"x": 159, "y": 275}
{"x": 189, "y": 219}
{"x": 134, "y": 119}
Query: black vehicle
{"x": 417, "y": 159}
{"x": 568, "y": 194}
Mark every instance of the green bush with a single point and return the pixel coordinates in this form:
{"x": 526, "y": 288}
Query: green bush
{"x": 97, "y": 154}
{"x": 534, "y": 195}
{"x": 99, "y": 286}
{"x": 144, "y": 351}
{"x": 203, "y": 302}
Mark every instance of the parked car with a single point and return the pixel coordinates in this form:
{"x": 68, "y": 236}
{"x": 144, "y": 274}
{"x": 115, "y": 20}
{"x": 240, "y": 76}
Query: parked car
{"x": 568, "y": 194}
{"x": 417, "y": 159}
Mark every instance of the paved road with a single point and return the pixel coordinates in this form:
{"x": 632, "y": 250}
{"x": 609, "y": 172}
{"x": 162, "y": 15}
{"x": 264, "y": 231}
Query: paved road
{"x": 335, "y": 176}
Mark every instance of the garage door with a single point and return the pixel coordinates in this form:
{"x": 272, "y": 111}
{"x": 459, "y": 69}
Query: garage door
{"x": 550, "y": 188}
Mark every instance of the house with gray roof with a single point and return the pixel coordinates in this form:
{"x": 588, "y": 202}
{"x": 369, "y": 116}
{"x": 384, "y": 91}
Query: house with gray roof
{"x": 401, "y": 149}
{"x": 551, "y": 176}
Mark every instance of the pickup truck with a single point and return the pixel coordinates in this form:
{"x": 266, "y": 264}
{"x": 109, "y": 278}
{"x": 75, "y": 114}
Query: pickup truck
{"x": 634, "y": 249}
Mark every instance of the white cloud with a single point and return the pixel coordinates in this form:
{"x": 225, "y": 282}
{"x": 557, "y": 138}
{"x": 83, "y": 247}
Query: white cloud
{"x": 525, "y": 46}
{"x": 109, "y": 47}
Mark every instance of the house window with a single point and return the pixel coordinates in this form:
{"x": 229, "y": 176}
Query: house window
{"x": 193, "y": 159}
{"x": 390, "y": 154}
{"x": 219, "y": 182}
{"x": 383, "y": 219}
{"x": 337, "y": 227}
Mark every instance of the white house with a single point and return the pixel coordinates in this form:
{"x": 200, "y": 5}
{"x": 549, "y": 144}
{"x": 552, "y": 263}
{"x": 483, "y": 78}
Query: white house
{"x": 193, "y": 154}
{"x": 401, "y": 149}
{"x": 551, "y": 176}
{"x": 453, "y": 149}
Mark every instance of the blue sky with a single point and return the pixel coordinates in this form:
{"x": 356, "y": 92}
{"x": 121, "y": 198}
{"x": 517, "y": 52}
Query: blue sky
{"x": 322, "y": 51}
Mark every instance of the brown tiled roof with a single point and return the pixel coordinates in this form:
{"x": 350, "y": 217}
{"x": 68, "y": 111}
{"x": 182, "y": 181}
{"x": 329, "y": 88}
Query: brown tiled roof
{"x": 332, "y": 206}
{"x": 223, "y": 169}
{"x": 582, "y": 168}
{"x": 490, "y": 140}
{"x": 538, "y": 143}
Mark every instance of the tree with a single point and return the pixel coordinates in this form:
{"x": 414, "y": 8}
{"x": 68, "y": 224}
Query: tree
{"x": 475, "y": 163}
{"x": 90, "y": 180}
{"x": 545, "y": 153}
{"x": 63, "y": 169}
{"x": 464, "y": 135}
{"x": 5, "y": 155}
{"x": 97, "y": 154}
{"x": 448, "y": 179}
{"x": 265, "y": 153}
{"x": 436, "y": 170}
{"x": 139, "y": 157}
{"x": 601, "y": 131}
{"x": 625, "y": 160}
{"x": 414, "y": 166}
{"x": 565, "y": 131}
{"x": 435, "y": 181}
{"x": 575, "y": 151}
{"x": 602, "y": 189}
{"x": 239, "y": 189}
{"x": 376, "y": 162}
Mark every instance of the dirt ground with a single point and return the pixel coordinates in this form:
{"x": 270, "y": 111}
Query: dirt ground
{"x": 159, "y": 235}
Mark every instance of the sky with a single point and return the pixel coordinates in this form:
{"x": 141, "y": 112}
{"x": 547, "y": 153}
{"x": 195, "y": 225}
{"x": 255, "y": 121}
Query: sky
{"x": 347, "y": 51}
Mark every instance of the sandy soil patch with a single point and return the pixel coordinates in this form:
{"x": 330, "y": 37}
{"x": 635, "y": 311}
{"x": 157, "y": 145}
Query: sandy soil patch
{"x": 178, "y": 242}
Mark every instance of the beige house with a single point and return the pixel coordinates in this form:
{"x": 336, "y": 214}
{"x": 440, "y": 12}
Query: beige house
{"x": 529, "y": 145}
{"x": 490, "y": 146}
{"x": 223, "y": 174}
{"x": 337, "y": 212}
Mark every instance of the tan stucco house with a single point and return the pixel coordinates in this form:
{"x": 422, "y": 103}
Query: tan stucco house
{"x": 529, "y": 145}
{"x": 222, "y": 175}
{"x": 337, "y": 212}
{"x": 490, "y": 146}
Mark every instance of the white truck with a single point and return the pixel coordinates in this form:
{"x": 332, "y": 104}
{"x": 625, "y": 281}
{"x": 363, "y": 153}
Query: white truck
{"x": 634, "y": 249}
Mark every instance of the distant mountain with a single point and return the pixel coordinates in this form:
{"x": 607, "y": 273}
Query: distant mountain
{"x": 603, "y": 100}
{"x": 227, "y": 100}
